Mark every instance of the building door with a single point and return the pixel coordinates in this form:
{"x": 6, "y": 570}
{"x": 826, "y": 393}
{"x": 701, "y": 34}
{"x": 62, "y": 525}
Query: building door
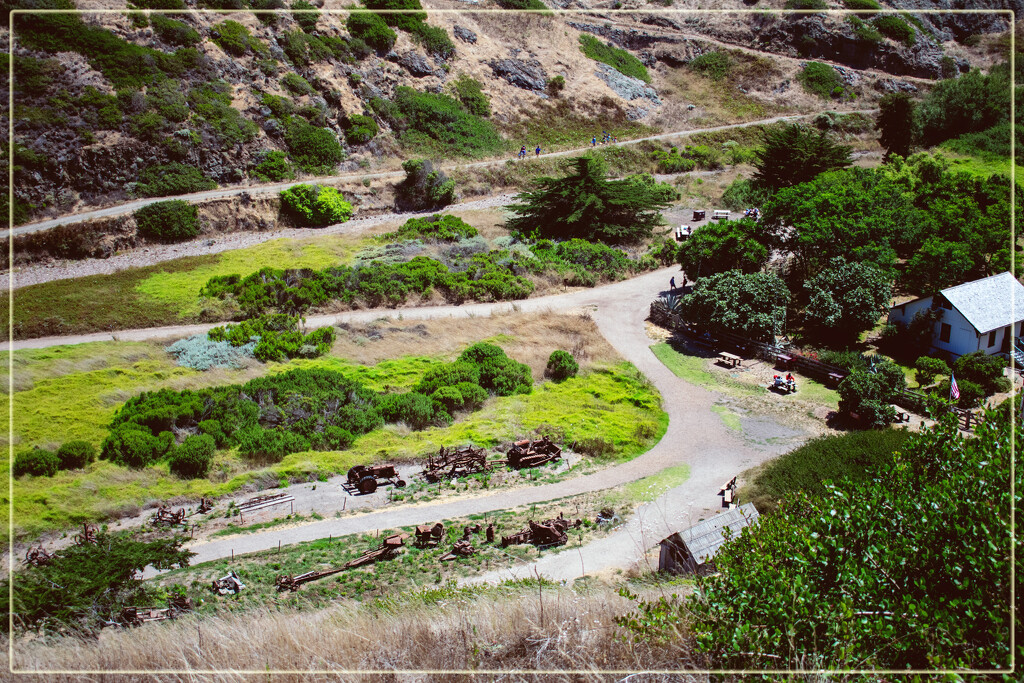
{"x": 1007, "y": 335}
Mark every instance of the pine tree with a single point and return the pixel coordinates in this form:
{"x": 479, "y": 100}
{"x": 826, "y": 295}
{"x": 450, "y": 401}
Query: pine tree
{"x": 793, "y": 154}
{"x": 895, "y": 123}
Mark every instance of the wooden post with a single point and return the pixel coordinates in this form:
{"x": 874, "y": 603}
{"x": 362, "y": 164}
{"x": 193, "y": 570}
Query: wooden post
{"x": 232, "y": 554}
{"x": 278, "y": 545}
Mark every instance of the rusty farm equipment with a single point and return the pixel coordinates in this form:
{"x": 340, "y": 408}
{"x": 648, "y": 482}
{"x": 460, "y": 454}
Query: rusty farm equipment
{"x": 166, "y": 517}
{"x": 462, "y": 548}
{"x": 367, "y": 479}
{"x": 385, "y": 551}
{"x": 450, "y": 463}
{"x": 88, "y": 535}
{"x": 529, "y": 453}
{"x": 229, "y": 583}
{"x": 204, "y": 506}
{"x": 427, "y": 535}
{"x": 543, "y": 534}
{"x": 37, "y": 557}
{"x": 137, "y": 616}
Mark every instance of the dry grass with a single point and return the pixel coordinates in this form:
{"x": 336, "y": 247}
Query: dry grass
{"x": 509, "y": 628}
{"x": 527, "y": 337}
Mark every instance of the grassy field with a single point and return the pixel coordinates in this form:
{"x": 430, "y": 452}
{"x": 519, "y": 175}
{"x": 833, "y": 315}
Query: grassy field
{"x": 68, "y": 393}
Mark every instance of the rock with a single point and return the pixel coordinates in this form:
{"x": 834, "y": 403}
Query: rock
{"x": 464, "y": 34}
{"x": 631, "y": 39}
{"x": 648, "y": 59}
{"x": 391, "y": 56}
{"x": 626, "y": 87}
{"x": 416, "y": 64}
{"x": 893, "y": 85}
{"x": 636, "y": 113}
{"x": 265, "y": 112}
{"x": 273, "y": 127}
{"x": 526, "y": 75}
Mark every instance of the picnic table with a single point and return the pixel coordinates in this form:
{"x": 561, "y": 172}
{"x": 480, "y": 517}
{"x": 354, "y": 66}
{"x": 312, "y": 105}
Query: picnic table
{"x": 784, "y": 360}
{"x": 730, "y": 359}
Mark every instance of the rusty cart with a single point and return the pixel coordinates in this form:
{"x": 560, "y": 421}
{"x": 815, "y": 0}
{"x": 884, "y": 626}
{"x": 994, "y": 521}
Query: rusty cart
{"x": 450, "y": 463}
{"x": 367, "y": 479}
{"x": 524, "y": 454}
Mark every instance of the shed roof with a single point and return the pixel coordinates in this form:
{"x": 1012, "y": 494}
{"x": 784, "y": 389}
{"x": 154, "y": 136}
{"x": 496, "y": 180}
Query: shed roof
{"x": 705, "y": 538}
{"x": 989, "y": 303}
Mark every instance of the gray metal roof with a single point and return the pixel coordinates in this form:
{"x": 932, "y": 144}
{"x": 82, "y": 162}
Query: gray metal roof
{"x": 989, "y": 303}
{"x": 705, "y": 538}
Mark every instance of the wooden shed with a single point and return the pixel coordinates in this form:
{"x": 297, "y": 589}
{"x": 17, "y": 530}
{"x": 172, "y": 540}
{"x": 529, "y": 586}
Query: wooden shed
{"x": 692, "y": 551}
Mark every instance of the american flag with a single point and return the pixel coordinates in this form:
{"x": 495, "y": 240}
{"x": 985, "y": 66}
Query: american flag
{"x": 954, "y": 390}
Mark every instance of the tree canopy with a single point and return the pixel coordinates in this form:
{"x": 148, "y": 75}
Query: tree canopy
{"x": 753, "y": 305}
{"x": 896, "y": 124}
{"x": 586, "y": 204}
{"x": 718, "y": 247}
{"x": 846, "y": 299}
{"x": 793, "y": 154}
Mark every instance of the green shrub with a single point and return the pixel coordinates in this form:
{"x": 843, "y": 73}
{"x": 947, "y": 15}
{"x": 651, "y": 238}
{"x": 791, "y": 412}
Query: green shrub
{"x": 448, "y": 375}
{"x": 561, "y": 366}
{"x": 372, "y": 29}
{"x": 315, "y": 150}
{"x": 132, "y": 447}
{"x": 473, "y": 395}
{"x": 715, "y": 65}
{"x": 214, "y": 430}
{"x": 171, "y": 221}
{"x": 469, "y": 92}
{"x": 307, "y": 16}
{"x": 929, "y": 368}
{"x": 280, "y": 107}
{"x": 870, "y": 394}
{"x": 159, "y": 4}
{"x": 296, "y": 84}
{"x": 406, "y": 22}
{"x": 235, "y": 39}
{"x": 896, "y": 28}
{"x": 172, "y": 179}
{"x": 270, "y": 445}
{"x": 74, "y": 455}
{"x": 984, "y": 370}
{"x": 414, "y": 409}
{"x": 861, "y": 4}
{"x": 191, "y": 459}
{"x": 36, "y": 462}
{"x": 821, "y": 80}
{"x": 505, "y": 377}
{"x": 806, "y": 4}
{"x": 174, "y": 32}
{"x": 360, "y": 129}
{"x": 448, "y": 399}
{"x": 438, "y": 123}
{"x": 439, "y": 227}
{"x": 617, "y": 58}
{"x": 556, "y": 84}
{"x": 523, "y": 4}
{"x": 435, "y": 40}
{"x": 315, "y": 206}
{"x": 423, "y": 187}
{"x": 273, "y": 166}
{"x": 672, "y": 161}
{"x": 269, "y": 19}
{"x": 864, "y": 30}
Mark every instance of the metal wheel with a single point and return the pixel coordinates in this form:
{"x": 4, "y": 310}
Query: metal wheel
{"x": 367, "y": 485}
{"x": 400, "y": 483}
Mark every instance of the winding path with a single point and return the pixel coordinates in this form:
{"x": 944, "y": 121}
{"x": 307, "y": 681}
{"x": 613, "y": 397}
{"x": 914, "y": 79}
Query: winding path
{"x": 619, "y": 311}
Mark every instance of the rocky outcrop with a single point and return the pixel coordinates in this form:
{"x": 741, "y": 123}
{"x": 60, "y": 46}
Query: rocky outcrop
{"x": 957, "y": 26}
{"x": 464, "y": 34}
{"x": 626, "y": 87}
{"x": 416, "y": 64}
{"x": 630, "y": 39}
{"x": 528, "y": 75}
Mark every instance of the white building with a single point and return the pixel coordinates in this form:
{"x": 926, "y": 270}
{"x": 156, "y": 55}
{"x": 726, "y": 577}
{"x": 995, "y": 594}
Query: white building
{"x": 983, "y": 315}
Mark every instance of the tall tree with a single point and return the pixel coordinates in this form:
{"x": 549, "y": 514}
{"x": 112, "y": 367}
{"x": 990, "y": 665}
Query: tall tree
{"x": 793, "y": 154}
{"x": 752, "y": 305}
{"x": 586, "y": 204}
{"x": 896, "y": 124}
{"x": 846, "y": 299}
{"x": 718, "y": 247}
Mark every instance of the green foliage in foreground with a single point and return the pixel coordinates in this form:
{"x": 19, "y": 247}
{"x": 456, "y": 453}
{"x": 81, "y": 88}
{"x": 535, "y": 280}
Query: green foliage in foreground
{"x": 752, "y": 305}
{"x": 315, "y": 205}
{"x": 172, "y": 221}
{"x": 871, "y": 394}
{"x": 908, "y": 570}
{"x": 278, "y": 337}
{"x": 86, "y": 585}
{"x": 437, "y": 125}
{"x": 617, "y": 58}
{"x": 439, "y": 228}
{"x": 723, "y": 246}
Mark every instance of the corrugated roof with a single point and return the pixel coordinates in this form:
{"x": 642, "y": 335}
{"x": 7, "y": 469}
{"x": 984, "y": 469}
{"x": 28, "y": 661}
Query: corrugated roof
{"x": 705, "y": 538}
{"x": 989, "y": 303}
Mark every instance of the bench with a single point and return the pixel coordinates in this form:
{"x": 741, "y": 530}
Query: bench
{"x": 727, "y": 486}
{"x": 727, "y": 498}
{"x": 729, "y": 359}
{"x": 784, "y": 360}
{"x": 261, "y": 502}
{"x": 835, "y": 378}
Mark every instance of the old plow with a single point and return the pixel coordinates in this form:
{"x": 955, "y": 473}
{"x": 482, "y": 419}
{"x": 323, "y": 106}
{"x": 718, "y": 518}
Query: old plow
{"x": 544, "y": 534}
{"x": 227, "y": 584}
{"x": 166, "y": 517}
{"x": 88, "y": 535}
{"x": 37, "y": 557}
{"x": 137, "y": 616}
{"x": 450, "y": 463}
{"x": 427, "y": 535}
{"x": 385, "y": 551}
{"x": 529, "y": 453}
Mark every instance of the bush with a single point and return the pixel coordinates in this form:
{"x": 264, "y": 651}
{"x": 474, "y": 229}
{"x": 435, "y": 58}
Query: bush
{"x": 448, "y": 399}
{"x": 523, "y": 4}
{"x": 315, "y": 205}
{"x": 360, "y": 129}
{"x": 448, "y": 375}
{"x": 174, "y": 32}
{"x": 714, "y": 65}
{"x": 372, "y": 29}
{"x": 672, "y": 161}
{"x": 270, "y": 445}
{"x": 481, "y": 352}
{"x": 214, "y": 430}
{"x": 561, "y": 365}
{"x": 861, "y": 4}
{"x": 617, "y": 58}
{"x": 435, "y": 40}
{"x": 131, "y": 446}
{"x": 172, "y": 179}
{"x": 407, "y": 21}
{"x": 439, "y": 228}
{"x": 307, "y": 16}
{"x": 805, "y": 4}
{"x": 315, "y": 150}
{"x": 192, "y": 458}
{"x": 473, "y": 395}
{"x": 870, "y": 395}
{"x": 273, "y": 166}
{"x": 37, "y": 463}
{"x": 280, "y": 107}
{"x": 235, "y": 39}
{"x": 821, "y": 80}
{"x": 863, "y": 30}
{"x": 506, "y": 377}
{"x": 200, "y": 353}
{"x": 171, "y": 221}
{"x": 74, "y": 455}
{"x": 437, "y": 123}
{"x": 971, "y": 393}
{"x": 413, "y": 408}
{"x": 896, "y": 28}
{"x": 423, "y": 187}
{"x": 984, "y": 370}
{"x": 468, "y": 90}
{"x": 556, "y": 84}
{"x": 928, "y": 368}
{"x": 296, "y": 84}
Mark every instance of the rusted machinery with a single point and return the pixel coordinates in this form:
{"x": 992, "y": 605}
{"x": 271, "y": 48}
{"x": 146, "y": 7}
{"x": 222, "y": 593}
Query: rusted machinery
{"x": 366, "y": 479}
{"x": 204, "y": 506}
{"x": 427, "y": 535}
{"x": 88, "y": 535}
{"x": 137, "y": 616}
{"x": 166, "y": 517}
{"x": 544, "y": 534}
{"x": 462, "y": 548}
{"x": 450, "y": 463}
{"x": 38, "y": 557}
{"x": 227, "y": 584}
{"x": 385, "y": 551}
{"x": 533, "y": 453}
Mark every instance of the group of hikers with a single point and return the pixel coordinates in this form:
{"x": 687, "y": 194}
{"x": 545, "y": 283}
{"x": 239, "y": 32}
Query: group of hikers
{"x": 606, "y": 138}
{"x": 754, "y": 213}
{"x": 522, "y": 151}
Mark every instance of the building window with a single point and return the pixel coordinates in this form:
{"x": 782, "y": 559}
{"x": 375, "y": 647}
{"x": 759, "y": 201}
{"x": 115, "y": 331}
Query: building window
{"x": 944, "y": 331}
{"x": 992, "y": 338}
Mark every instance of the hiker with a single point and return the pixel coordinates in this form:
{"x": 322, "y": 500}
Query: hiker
{"x": 593, "y": 141}
{"x": 537, "y": 151}
{"x": 684, "y": 282}
{"x": 672, "y": 282}
{"x": 522, "y": 151}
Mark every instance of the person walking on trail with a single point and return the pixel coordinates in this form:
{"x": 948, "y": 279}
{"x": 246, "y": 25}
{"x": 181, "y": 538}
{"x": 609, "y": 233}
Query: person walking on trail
{"x": 593, "y": 141}
{"x": 522, "y": 152}
{"x": 672, "y": 283}
{"x": 537, "y": 151}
